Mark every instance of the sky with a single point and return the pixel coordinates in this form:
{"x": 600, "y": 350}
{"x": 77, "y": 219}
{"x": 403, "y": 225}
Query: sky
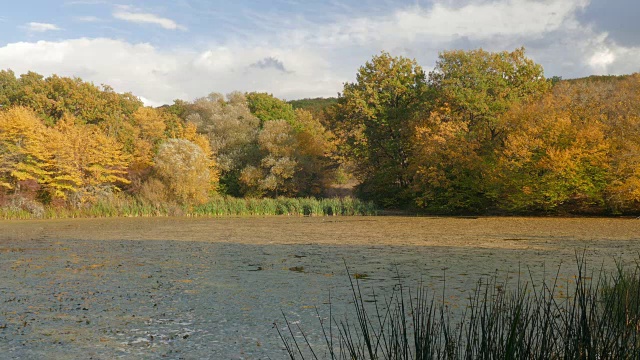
{"x": 161, "y": 50}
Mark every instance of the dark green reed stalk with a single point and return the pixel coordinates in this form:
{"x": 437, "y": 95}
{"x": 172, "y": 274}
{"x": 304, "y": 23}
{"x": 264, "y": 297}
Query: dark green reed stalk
{"x": 596, "y": 319}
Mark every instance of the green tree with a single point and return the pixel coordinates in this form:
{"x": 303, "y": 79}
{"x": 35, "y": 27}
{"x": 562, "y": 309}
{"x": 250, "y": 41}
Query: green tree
{"x": 9, "y": 87}
{"x": 321, "y": 108}
{"x": 376, "y": 120}
{"x": 55, "y": 96}
{"x": 478, "y": 86}
{"x": 267, "y": 107}
{"x": 294, "y": 161}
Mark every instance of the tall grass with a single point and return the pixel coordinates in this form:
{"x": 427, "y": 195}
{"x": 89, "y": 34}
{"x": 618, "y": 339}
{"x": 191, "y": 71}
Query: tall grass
{"x": 220, "y": 206}
{"x": 125, "y": 206}
{"x": 599, "y": 319}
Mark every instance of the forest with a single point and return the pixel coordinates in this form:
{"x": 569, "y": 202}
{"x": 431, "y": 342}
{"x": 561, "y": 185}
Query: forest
{"x": 482, "y": 133}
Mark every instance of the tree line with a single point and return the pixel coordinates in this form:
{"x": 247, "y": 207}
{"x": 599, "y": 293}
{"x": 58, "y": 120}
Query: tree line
{"x": 482, "y": 132}
{"x": 67, "y": 142}
{"x": 488, "y": 133}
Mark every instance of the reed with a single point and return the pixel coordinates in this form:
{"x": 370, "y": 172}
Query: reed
{"x": 126, "y": 206}
{"x": 598, "y": 319}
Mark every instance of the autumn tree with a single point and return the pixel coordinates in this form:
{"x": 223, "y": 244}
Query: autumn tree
{"x": 377, "y": 117}
{"x": 614, "y": 102}
{"x": 186, "y": 171}
{"x": 86, "y": 164}
{"x": 478, "y": 86}
{"x": 471, "y": 90}
{"x": 446, "y": 165}
{"x": 23, "y": 149}
{"x": 232, "y": 131}
{"x": 143, "y": 131}
{"x": 277, "y": 167}
{"x": 69, "y": 161}
{"x": 316, "y": 155}
{"x": 554, "y": 159}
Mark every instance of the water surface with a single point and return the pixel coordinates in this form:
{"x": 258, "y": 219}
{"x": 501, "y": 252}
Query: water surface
{"x": 212, "y": 288}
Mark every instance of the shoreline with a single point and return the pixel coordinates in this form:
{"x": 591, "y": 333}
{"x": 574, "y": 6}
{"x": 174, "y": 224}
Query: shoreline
{"x": 476, "y": 232}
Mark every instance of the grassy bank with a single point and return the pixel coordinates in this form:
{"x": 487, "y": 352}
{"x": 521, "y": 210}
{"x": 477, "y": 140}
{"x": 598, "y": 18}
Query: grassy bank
{"x": 121, "y": 206}
{"x": 597, "y": 319}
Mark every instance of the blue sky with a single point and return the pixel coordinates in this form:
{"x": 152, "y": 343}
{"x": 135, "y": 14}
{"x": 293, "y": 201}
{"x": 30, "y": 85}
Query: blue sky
{"x": 162, "y": 50}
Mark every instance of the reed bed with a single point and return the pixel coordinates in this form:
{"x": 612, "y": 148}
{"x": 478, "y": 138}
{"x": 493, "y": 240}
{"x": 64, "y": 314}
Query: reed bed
{"x": 599, "y": 319}
{"x": 124, "y": 206}
{"x": 285, "y": 206}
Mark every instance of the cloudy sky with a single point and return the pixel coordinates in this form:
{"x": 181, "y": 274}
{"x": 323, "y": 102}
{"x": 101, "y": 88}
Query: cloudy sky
{"x": 167, "y": 49}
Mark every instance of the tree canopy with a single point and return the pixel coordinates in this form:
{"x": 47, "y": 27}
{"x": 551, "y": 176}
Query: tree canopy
{"x": 377, "y": 115}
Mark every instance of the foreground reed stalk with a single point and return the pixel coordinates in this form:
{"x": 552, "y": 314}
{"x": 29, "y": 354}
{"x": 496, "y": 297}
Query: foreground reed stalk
{"x": 599, "y": 319}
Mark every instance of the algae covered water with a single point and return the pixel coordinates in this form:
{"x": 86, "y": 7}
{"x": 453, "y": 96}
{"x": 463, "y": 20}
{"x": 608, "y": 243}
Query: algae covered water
{"x": 208, "y": 289}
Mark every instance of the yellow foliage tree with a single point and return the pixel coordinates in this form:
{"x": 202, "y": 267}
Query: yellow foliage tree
{"x": 23, "y": 154}
{"x": 446, "y": 160}
{"x": 142, "y": 134}
{"x": 622, "y": 118}
{"x": 186, "y": 171}
{"x": 85, "y": 161}
{"x": 316, "y": 155}
{"x": 555, "y": 155}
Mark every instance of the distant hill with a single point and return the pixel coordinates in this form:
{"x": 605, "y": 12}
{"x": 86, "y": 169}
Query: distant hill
{"x": 319, "y": 107}
{"x": 598, "y": 78}
{"x": 313, "y": 104}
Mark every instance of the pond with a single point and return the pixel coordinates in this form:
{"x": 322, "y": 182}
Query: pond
{"x": 213, "y": 288}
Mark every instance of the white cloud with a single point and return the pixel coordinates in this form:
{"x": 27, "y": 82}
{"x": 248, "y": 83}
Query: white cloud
{"x": 439, "y": 23}
{"x": 609, "y": 58}
{"x": 580, "y": 50}
{"x": 125, "y": 13}
{"x": 602, "y": 59}
{"x": 160, "y": 76}
{"x": 479, "y": 21}
{"x": 40, "y": 27}
{"x": 319, "y": 59}
{"x": 148, "y": 102}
